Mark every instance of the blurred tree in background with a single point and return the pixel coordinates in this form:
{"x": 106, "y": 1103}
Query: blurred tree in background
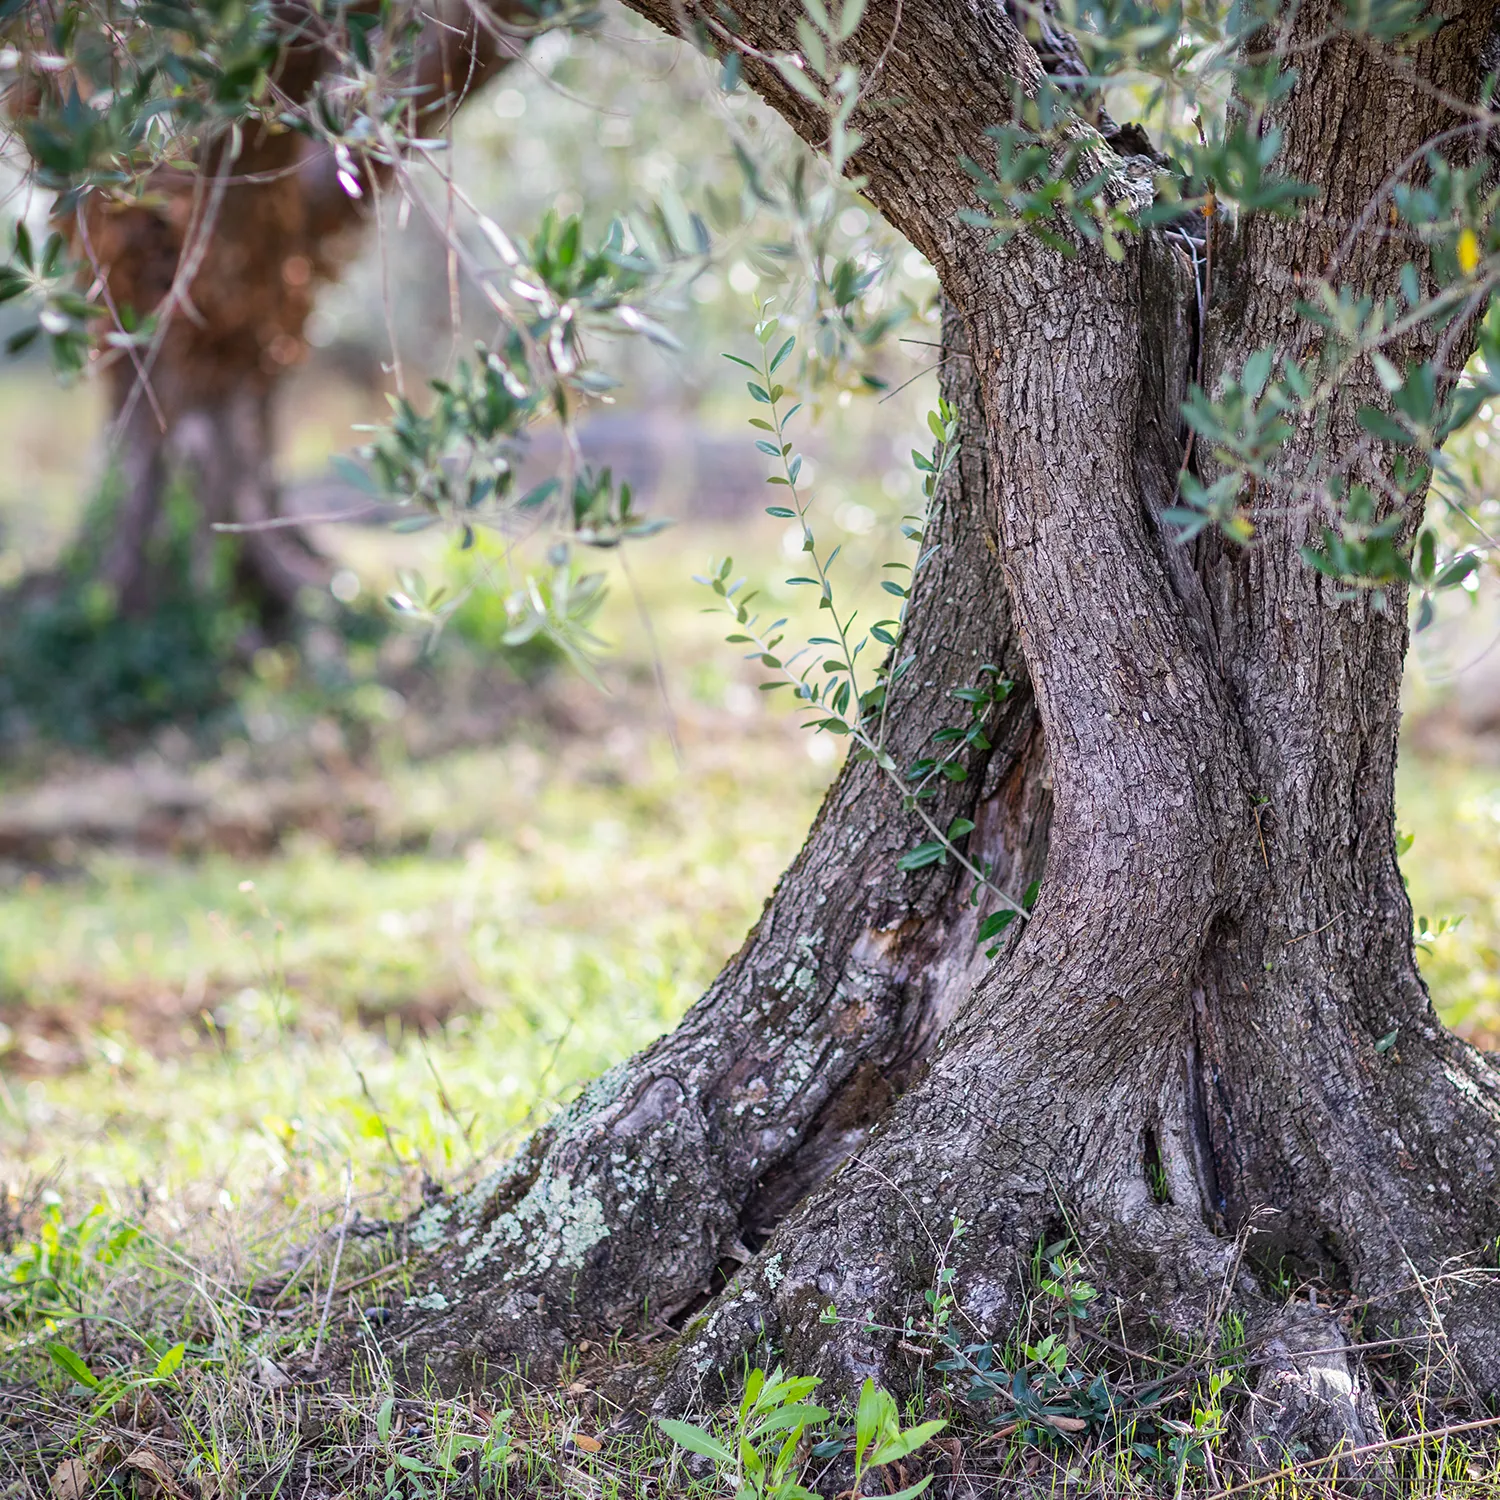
{"x": 196, "y": 288}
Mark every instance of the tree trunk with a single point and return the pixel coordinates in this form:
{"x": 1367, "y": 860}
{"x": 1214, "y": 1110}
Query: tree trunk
{"x": 1184, "y": 1061}
{"x": 229, "y": 258}
{"x": 223, "y": 448}
{"x": 229, "y": 267}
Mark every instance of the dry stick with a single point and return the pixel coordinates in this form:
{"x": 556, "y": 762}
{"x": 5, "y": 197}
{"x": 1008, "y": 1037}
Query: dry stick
{"x": 323, "y": 518}
{"x": 1291, "y": 1471}
{"x": 1316, "y": 930}
{"x": 393, "y": 1269}
{"x": 398, "y": 369}
{"x": 338, "y": 1255}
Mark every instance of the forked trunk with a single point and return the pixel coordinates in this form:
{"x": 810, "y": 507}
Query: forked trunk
{"x": 1210, "y": 1049}
{"x": 229, "y": 269}
{"x": 222, "y": 449}
{"x": 228, "y": 257}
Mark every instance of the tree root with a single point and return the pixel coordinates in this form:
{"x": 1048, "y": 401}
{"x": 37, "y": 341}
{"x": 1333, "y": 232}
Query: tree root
{"x": 855, "y": 1285}
{"x": 1312, "y": 1397}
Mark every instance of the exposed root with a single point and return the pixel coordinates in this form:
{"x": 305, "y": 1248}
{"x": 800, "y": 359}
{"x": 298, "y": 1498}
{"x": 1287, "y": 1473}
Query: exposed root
{"x": 856, "y": 1284}
{"x": 1312, "y": 1397}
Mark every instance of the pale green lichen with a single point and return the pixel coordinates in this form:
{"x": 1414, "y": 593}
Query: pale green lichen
{"x": 556, "y": 1223}
{"x": 433, "y": 1301}
{"x": 428, "y": 1231}
{"x": 773, "y": 1273}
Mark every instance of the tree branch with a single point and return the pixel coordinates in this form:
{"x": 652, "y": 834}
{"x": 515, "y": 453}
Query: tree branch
{"x": 933, "y": 75}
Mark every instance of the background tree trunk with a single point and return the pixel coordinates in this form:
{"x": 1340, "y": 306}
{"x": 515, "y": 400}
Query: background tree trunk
{"x": 229, "y": 258}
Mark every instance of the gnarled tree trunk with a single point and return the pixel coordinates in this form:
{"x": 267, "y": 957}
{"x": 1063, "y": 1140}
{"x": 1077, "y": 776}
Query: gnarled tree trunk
{"x": 642, "y": 1198}
{"x": 1178, "y": 1055}
{"x": 231, "y": 274}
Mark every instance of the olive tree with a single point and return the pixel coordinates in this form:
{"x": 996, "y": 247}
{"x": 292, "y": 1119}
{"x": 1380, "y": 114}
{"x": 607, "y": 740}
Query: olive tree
{"x": 205, "y": 247}
{"x": 1199, "y": 371}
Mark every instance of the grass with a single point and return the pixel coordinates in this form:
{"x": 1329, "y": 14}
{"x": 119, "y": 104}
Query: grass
{"x": 142, "y": 1364}
{"x": 237, "y": 1019}
{"x": 191, "y": 1183}
{"x": 218, "y": 1074}
{"x": 1450, "y": 810}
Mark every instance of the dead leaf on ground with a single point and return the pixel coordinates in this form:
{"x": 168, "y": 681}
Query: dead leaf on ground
{"x": 156, "y": 1469}
{"x": 1065, "y": 1424}
{"x": 587, "y": 1443}
{"x": 70, "y": 1480}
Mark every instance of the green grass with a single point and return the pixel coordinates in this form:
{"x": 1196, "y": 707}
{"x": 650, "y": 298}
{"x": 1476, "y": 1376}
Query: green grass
{"x": 208, "y": 1066}
{"x": 270, "y": 1020}
{"x": 1451, "y": 812}
{"x": 209, "y": 1023}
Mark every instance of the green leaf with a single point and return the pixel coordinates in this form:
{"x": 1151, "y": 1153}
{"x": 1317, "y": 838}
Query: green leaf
{"x": 923, "y": 855}
{"x": 1256, "y": 372}
{"x": 994, "y": 924}
{"x": 852, "y": 14}
{"x": 696, "y": 1440}
{"x": 819, "y": 13}
{"x": 959, "y": 827}
{"x": 782, "y": 353}
{"x": 798, "y": 80}
{"x": 812, "y": 47}
{"x": 1456, "y": 571}
{"x": 906, "y": 1442}
{"x": 170, "y": 1361}
{"x": 790, "y": 1416}
{"x": 875, "y": 1405}
{"x": 1375, "y": 421}
{"x": 71, "y": 1364}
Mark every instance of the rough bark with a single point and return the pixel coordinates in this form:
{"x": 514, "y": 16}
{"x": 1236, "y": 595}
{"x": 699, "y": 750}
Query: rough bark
{"x": 1184, "y": 1037}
